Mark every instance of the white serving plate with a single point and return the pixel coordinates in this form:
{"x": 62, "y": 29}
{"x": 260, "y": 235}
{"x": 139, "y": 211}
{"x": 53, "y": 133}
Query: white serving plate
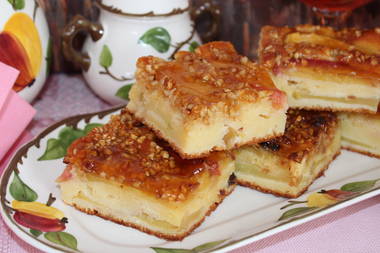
{"x": 244, "y": 217}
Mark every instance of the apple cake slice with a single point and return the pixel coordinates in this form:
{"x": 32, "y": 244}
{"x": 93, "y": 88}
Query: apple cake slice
{"x": 213, "y": 99}
{"x": 123, "y": 173}
{"x": 361, "y": 132}
{"x": 287, "y": 165}
{"x": 324, "y": 69}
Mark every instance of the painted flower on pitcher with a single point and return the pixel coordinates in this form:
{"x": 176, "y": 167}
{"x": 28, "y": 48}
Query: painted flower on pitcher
{"x": 323, "y": 198}
{"x": 40, "y": 218}
{"x": 20, "y": 47}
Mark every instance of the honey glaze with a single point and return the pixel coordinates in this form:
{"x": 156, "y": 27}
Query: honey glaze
{"x": 215, "y": 76}
{"x": 126, "y": 151}
{"x": 347, "y": 50}
{"x": 303, "y": 132}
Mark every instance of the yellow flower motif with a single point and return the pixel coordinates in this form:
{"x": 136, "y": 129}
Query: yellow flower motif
{"x": 320, "y": 200}
{"x": 38, "y": 209}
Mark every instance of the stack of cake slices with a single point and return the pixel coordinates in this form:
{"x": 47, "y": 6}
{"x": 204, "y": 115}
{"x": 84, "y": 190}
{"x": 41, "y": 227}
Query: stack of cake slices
{"x": 165, "y": 162}
{"x": 332, "y": 80}
{"x": 325, "y": 69}
{"x": 197, "y": 125}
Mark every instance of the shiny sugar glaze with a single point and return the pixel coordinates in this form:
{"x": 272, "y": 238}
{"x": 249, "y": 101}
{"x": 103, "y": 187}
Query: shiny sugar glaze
{"x": 126, "y": 151}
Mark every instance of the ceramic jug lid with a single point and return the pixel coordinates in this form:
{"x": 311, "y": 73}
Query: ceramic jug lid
{"x": 146, "y": 6}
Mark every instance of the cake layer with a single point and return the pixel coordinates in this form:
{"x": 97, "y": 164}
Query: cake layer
{"x": 126, "y": 205}
{"x": 360, "y": 133}
{"x": 287, "y": 165}
{"x": 124, "y": 173}
{"x": 213, "y": 99}
{"x": 320, "y": 68}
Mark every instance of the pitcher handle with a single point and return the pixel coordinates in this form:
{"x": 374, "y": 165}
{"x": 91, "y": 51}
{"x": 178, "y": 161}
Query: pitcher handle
{"x": 78, "y": 24}
{"x": 213, "y": 9}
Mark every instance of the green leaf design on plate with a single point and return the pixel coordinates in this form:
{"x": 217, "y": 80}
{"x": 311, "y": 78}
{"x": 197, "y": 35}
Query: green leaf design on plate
{"x": 163, "y": 250}
{"x": 20, "y": 191}
{"x": 293, "y": 202}
{"x": 105, "y": 59}
{"x": 17, "y": 4}
{"x": 158, "y": 38}
{"x": 56, "y": 148}
{"x": 91, "y": 126}
{"x": 62, "y": 238}
{"x": 207, "y": 246}
{"x": 67, "y": 135}
{"x": 123, "y": 92}
{"x": 203, "y": 247}
{"x": 295, "y": 212}
{"x": 35, "y": 232}
{"x": 359, "y": 186}
{"x": 193, "y": 45}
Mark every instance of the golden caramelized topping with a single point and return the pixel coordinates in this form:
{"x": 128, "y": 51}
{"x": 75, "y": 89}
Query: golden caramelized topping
{"x": 126, "y": 151}
{"x": 353, "y": 50}
{"x": 303, "y": 131}
{"x": 215, "y": 77}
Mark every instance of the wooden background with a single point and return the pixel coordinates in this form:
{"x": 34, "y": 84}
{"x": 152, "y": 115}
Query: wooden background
{"x": 240, "y": 21}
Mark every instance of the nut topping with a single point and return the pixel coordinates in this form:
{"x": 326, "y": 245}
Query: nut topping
{"x": 128, "y": 152}
{"x": 196, "y": 82}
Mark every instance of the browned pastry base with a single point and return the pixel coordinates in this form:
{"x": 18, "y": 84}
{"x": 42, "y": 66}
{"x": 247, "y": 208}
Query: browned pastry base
{"x": 361, "y": 152}
{"x": 332, "y": 109}
{"x": 222, "y": 195}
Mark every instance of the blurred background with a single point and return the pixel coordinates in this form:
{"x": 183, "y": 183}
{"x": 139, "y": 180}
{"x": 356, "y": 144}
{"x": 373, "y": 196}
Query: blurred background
{"x": 240, "y": 21}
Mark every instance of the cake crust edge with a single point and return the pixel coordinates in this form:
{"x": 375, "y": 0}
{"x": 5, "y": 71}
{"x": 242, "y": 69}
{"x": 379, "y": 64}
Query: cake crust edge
{"x": 330, "y": 109}
{"x": 367, "y": 153}
{"x": 279, "y": 194}
{"x": 223, "y": 193}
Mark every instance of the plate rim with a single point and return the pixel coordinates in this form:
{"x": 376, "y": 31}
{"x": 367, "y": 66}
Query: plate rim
{"x": 229, "y": 245}
{"x": 296, "y": 221}
{"x": 22, "y": 153}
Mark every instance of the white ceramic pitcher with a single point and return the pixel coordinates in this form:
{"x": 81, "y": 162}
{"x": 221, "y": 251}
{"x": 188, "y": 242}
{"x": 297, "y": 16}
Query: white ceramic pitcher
{"x": 127, "y": 30}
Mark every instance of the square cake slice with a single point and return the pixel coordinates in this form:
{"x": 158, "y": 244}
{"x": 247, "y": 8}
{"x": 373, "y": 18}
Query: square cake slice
{"x": 123, "y": 173}
{"x": 324, "y": 69}
{"x": 361, "y": 132}
{"x": 213, "y": 99}
{"x": 287, "y": 165}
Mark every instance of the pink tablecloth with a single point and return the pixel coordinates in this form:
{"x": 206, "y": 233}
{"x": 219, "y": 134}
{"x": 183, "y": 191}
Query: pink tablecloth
{"x": 352, "y": 229}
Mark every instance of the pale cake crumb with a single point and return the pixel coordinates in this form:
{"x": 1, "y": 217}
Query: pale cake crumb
{"x": 198, "y": 101}
{"x": 287, "y": 165}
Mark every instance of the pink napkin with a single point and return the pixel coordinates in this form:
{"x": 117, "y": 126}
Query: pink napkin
{"x": 15, "y": 113}
{"x": 8, "y": 76}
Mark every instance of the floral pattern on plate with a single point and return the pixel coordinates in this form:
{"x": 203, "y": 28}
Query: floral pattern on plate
{"x": 40, "y": 218}
{"x": 327, "y": 198}
{"x": 28, "y": 206}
